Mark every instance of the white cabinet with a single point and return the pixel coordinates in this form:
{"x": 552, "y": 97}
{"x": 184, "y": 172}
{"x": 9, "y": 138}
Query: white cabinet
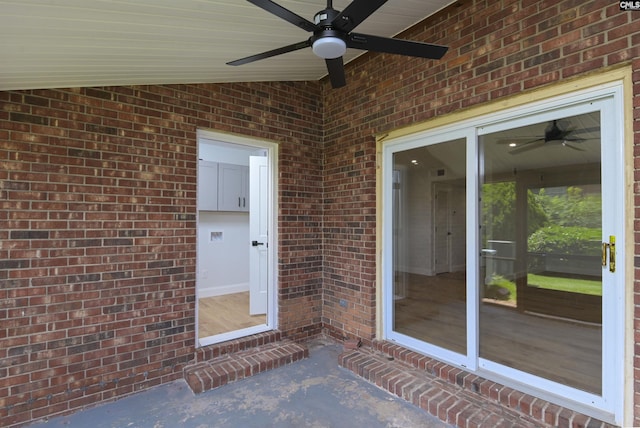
{"x": 207, "y": 186}
{"x": 222, "y": 187}
{"x": 233, "y": 187}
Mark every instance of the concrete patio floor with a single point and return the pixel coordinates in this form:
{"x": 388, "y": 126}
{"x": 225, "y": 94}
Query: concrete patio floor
{"x": 314, "y": 392}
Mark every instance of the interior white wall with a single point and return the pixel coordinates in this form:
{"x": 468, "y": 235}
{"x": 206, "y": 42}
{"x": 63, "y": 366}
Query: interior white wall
{"x": 224, "y": 260}
{"x": 218, "y": 151}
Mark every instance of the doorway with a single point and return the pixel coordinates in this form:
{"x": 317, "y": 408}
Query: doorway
{"x": 517, "y": 221}
{"x": 235, "y": 244}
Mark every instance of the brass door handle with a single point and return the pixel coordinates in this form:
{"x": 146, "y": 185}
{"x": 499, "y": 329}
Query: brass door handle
{"x": 611, "y": 246}
{"x": 612, "y": 253}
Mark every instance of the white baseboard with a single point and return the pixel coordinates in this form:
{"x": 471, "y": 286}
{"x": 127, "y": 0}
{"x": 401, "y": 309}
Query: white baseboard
{"x": 458, "y": 268}
{"x": 420, "y": 271}
{"x": 430, "y": 272}
{"x": 221, "y": 290}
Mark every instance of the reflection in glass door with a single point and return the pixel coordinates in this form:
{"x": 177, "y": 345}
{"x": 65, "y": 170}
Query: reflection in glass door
{"x": 429, "y": 197}
{"x": 541, "y": 232}
{"x": 530, "y": 290}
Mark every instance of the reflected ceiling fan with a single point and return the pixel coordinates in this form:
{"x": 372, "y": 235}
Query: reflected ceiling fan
{"x": 552, "y": 133}
{"x": 332, "y": 35}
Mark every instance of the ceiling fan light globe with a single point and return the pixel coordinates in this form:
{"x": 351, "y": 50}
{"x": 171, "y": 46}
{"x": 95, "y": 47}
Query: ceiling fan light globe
{"x": 329, "y": 47}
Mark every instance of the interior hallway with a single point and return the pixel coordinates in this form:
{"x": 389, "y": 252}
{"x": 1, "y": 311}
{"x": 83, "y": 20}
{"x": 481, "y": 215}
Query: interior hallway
{"x": 310, "y": 393}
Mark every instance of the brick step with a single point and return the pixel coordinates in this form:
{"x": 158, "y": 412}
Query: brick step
{"x": 210, "y": 352}
{"x": 453, "y": 395}
{"x": 234, "y": 362}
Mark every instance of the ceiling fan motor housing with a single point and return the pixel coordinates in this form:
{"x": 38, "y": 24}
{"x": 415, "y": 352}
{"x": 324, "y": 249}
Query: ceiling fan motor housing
{"x": 328, "y": 43}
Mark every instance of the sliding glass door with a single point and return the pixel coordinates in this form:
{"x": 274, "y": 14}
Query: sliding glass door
{"x": 504, "y": 246}
{"x": 429, "y": 235}
{"x": 541, "y": 222}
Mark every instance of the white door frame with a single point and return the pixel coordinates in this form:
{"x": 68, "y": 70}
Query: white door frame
{"x": 609, "y": 100}
{"x": 613, "y": 224}
{"x": 258, "y": 235}
{"x": 271, "y": 149}
{"x": 406, "y": 143}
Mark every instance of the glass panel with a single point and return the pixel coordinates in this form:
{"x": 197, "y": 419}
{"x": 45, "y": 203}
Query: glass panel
{"x": 541, "y": 222}
{"x": 569, "y": 245}
{"x": 429, "y": 237}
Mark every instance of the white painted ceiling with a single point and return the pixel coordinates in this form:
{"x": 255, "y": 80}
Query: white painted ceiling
{"x": 72, "y": 43}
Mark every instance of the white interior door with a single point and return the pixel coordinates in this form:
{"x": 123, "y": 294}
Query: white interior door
{"x": 258, "y": 234}
{"x": 442, "y": 232}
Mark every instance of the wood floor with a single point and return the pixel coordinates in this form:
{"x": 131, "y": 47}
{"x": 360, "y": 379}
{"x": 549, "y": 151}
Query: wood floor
{"x": 561, "y": 350}
{"x": 222, "y": 314}
{"x": 434, "y": 311}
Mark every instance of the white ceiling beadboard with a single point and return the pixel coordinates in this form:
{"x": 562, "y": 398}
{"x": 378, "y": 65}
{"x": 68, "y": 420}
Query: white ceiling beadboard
{"x": 73, "y": 43}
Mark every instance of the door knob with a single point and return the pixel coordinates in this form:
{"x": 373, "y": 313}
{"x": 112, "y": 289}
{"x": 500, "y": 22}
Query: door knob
{"x": 256, "y": 243}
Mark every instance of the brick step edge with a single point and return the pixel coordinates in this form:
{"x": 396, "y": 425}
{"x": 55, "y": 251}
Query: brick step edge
{"x": 209, "y": 352}
{"x": 231, "y": 367}
{"x": 452, "y": 402}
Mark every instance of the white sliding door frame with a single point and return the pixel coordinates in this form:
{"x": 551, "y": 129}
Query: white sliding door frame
{"x": 606, "y": 98}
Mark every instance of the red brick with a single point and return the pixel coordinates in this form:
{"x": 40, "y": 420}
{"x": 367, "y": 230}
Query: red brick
{"x": 443, "y": 407}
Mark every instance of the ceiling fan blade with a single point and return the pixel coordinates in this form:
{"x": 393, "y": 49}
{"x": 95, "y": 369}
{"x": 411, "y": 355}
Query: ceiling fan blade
{"x": 527, "y": 146}
{"x": 565, "y": 144}
{"x": 335, "y": 67}
{"x": 395, "y": 46}
{"x": 575, "y": 139}
{"x": 355, "y": 13}
{"x": 269, "y": 54}
{"x": 518, "y": 144}
{"x": 285, "y": 14}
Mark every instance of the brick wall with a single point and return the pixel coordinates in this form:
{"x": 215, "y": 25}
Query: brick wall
{"x": 497, "y": 49}
{"x": 97, "y": 232}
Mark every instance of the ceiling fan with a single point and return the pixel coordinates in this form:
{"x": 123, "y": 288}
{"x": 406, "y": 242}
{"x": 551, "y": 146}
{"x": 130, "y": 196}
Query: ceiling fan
{"x": 552, "y": 133}
{"x": 332, "y": 35}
